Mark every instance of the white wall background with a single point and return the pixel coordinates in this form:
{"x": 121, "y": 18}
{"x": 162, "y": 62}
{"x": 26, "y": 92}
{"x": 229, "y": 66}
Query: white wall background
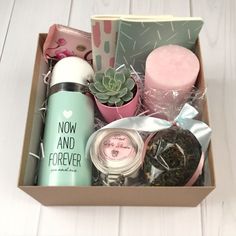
{"x": 20, "y": 215}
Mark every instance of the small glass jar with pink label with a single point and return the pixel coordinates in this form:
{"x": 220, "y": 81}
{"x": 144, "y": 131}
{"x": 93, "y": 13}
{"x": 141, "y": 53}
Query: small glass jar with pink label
{"x": 117, "y": 156}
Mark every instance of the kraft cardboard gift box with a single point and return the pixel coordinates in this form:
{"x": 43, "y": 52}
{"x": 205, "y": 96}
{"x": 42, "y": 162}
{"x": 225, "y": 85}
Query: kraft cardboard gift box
{"x": 100, "y": 195}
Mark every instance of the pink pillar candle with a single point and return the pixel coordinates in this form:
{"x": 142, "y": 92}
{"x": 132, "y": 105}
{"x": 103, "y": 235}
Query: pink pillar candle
{"x": 171, "y": 72}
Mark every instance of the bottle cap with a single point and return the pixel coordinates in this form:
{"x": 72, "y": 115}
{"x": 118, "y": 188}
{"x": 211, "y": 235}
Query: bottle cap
{"x": 72, "y": 70}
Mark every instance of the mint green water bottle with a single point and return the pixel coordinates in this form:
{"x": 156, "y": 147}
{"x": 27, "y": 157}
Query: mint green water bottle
{"x": 69, "y": 123}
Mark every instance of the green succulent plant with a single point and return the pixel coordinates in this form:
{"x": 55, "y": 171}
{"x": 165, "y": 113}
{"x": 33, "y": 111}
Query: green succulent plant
{"x": 113, "y": 88}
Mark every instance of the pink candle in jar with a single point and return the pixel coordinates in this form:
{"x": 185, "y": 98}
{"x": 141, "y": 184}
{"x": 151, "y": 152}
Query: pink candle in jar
{"x": 171, "y": 72}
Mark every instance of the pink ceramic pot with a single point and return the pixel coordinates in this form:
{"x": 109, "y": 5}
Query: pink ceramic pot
{"x": 114, "y": 113}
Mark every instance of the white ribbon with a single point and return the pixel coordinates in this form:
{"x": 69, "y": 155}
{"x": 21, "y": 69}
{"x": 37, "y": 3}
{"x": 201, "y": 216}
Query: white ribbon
{"x": 150, "y": 124}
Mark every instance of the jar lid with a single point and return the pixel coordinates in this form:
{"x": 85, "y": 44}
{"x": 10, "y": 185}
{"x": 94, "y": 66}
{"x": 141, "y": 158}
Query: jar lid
{"x": 73, "y": 70}
{"x": 117, "y": 151}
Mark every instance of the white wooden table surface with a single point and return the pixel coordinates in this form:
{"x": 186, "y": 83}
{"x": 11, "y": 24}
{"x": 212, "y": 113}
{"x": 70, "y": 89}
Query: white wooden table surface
{"x": 20, "y": 23}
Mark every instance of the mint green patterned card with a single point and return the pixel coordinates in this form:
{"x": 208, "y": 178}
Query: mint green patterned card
{"x": 137, "y": 39}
